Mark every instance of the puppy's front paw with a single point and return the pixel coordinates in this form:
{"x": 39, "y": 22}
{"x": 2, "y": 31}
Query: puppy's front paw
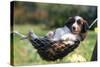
{"x": 65, "y": 37}
{"x": 68, "y": 42}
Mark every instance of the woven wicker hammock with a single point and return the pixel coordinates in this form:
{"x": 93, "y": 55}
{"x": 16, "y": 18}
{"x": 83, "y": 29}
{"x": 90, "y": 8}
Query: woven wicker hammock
{"x": 52, "y": 51}
{"x": 49, "y": 50}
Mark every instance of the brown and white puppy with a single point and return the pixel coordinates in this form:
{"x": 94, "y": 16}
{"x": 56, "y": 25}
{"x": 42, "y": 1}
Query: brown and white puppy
{"x": 74, "y": 29}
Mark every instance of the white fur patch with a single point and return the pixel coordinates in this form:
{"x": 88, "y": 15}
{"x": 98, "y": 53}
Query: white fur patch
{"x": 69, "y": 36}
{"x": 77, "y": 18}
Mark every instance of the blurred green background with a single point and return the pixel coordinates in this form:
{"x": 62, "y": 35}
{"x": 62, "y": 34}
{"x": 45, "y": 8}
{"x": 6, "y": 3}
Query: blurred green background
{"x": 43, "y": 17}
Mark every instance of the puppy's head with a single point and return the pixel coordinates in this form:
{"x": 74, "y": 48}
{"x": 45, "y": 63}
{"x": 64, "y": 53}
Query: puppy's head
{"x": 77, "y": 25}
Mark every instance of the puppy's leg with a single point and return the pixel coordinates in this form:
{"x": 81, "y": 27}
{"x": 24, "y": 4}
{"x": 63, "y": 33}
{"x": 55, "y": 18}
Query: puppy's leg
{"x": 50, "y": 34}
{"x": 69, "y": 42}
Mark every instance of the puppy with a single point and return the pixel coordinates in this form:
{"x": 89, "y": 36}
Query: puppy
{"x": 74, "y": 29}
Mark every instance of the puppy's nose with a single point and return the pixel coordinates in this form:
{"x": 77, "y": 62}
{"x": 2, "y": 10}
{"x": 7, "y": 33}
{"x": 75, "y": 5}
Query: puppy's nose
{"x": 73, "y": 28}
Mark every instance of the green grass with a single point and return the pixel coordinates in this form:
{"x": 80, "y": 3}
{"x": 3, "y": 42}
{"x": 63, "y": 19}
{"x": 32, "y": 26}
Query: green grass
{"x": 25, "y": 54}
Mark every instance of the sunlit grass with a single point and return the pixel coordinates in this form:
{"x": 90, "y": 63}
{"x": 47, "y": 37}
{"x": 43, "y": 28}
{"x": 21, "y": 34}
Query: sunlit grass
{"x": 25, "y": 54}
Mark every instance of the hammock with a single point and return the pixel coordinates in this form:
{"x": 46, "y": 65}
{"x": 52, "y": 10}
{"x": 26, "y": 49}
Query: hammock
{"x": 49, "y": 50}
{"x": 52, "y": 51}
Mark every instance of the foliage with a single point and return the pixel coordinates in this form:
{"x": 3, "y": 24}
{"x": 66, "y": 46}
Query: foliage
{"x": 52, "y": 15}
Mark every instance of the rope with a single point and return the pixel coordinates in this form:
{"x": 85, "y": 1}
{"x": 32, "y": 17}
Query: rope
{"x": 25, "y": 37}
{"x": 92, "y": 23}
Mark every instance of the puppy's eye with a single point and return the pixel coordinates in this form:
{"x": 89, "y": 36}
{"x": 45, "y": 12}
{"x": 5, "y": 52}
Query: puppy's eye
{"x": 79, "y": 21}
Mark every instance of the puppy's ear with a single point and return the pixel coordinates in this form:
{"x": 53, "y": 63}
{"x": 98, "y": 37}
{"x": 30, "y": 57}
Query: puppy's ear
{"x": 85, "y": 27}
{"x": 69, "y": 22}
